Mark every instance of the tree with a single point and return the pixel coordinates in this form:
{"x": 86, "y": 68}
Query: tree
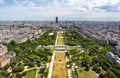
{"x": 18, "y": 68}
{"x": 24, "y": 73}
{"x": 95, "y": 60}
{"x": 13, "y": 43}
{"x": 4, "y": 73}
{"x": 96, "y": 68}
{"x": 101, "y": 75}
{"x": 31, "y": 64}
{"x": 87, "y": 67}
{"x": 110, "y": 74}
{"x": 17, "y": 50}
{"x": 87, "y": 60}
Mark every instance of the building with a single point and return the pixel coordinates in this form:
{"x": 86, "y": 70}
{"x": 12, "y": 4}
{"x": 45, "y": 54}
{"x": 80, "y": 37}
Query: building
{"x": 117, "y": 50}
{"x": 11, "y": 54}
{"x": 4, "y": 56}
{"x": 113, "y": 57}
{"x": 4, "y": 60}
{"x": 56, "y": 19}
{"x": 3, "y": 50}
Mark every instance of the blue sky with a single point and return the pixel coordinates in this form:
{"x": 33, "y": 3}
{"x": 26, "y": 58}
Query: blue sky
{"x": 38, "y": 10}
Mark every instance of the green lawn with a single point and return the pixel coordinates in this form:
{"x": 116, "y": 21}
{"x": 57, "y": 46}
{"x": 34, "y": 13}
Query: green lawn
{"x": 30, "y": 74}
{"x": 59, "y": 34}
{"x": 85, "y": 74}
{"x": 60, "y": 41}
{"x": 59, "y": 70}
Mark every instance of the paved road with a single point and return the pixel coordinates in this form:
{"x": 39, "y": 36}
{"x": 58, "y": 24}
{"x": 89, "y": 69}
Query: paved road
{"x": 51, "y": 66}
{"x": 37, "y": 73}
{"x": 52, "y": 60}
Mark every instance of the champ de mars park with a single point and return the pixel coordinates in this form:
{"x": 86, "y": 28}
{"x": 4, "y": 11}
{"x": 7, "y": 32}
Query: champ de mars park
{"x": 58, "y": 54}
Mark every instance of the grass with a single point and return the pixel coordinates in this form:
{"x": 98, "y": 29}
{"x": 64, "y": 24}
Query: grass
{"x": 60, "y": 41}
{"x": 59, "y": 70}
{"x": 86, "y": 74}
{"x": 30, "y": 74}
{"x": 59, "y": 67}
{"x": 59, "y": 34}
{"x": 60, "y": 57}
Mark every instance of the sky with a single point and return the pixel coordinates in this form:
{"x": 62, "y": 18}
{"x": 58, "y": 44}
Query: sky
{"x": 47, "y": 10}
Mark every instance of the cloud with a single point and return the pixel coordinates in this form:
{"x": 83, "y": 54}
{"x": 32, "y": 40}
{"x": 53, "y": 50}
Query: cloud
{"x": 30, "y": 3}
{"x": 93, "y": 5}
{"x": 65, "y": 9}
{"x": 1, "y": 1}
{"x": 111, "y": 8}
{"x": 81, "y": 5}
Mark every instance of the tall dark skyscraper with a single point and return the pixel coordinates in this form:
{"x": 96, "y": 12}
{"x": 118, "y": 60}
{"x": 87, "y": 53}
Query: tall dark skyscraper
{"x": 56, "y": 19}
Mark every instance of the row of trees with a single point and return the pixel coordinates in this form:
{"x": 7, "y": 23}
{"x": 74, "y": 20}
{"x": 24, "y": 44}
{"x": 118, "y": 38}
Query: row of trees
{"x": 26, "y": 52}
{"x": 93, "y": 57}
{"x": 47, "y": 39}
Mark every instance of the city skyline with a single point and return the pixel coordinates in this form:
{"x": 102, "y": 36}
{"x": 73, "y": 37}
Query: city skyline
{"x": 47, "y": 10}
